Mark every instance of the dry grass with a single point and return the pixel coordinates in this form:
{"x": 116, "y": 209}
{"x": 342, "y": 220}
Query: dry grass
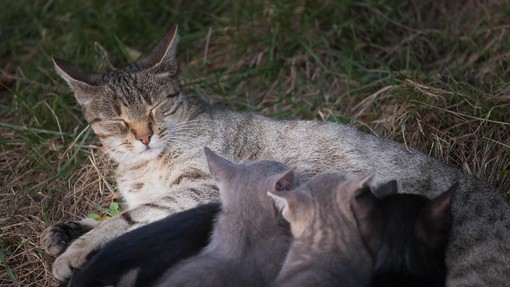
{"x": 432, "y": 76}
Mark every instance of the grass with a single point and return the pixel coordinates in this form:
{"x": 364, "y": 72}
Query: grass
{"x": 432, "y": 76}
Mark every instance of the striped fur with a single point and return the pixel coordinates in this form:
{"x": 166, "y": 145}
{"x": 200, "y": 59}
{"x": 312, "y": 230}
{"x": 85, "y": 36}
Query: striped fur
{"x": 174, "y": 173}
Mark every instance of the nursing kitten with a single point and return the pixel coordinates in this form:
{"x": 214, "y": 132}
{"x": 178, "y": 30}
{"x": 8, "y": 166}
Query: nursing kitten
{"x": 156, "y": 134}
{"x": 327, "y": 249}
{"x": 406, "y": 234}
{"x": 250, "y": 238}
{"x": 148, "y": 251}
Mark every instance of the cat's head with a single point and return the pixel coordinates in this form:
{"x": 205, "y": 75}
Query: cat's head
{"x": 407, "y": 232}
{"x": 247, "y": 184}
{"x": 323, "y": 200}
{"x": 131, "y": 109}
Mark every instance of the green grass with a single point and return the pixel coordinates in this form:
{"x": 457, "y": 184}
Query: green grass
{"x": 432, "y": 76}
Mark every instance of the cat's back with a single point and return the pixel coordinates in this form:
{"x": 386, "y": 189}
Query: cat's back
{"x": 312, "y": 147}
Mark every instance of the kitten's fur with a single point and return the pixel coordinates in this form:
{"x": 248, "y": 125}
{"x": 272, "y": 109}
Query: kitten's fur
{"x": 327, "y": 249}
{"x": 149, "y": 250}
{"x": 250, "y": 238}
{"x": 145, "y": 97}
{"x": 406, "y": 234}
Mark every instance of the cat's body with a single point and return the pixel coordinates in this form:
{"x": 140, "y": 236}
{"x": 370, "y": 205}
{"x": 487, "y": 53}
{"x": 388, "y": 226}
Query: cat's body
{"x": 143, "y": 102}
{"x": 327, "y": 250}
{"x": 407, "y": 235}
{"x": 250, "y": 238}
{"x": 149, "y": 250}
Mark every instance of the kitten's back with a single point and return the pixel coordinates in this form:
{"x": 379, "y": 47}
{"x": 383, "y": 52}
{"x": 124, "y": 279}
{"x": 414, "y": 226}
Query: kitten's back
{"x": 250, "y": 238}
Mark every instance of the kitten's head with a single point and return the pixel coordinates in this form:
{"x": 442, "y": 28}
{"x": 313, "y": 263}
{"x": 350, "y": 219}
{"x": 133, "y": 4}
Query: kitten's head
{"x": 246, "y": 185}
{"x": 131, "y": 109}
{"x": 405, "y": 233}
{"x": 322, "y": 202}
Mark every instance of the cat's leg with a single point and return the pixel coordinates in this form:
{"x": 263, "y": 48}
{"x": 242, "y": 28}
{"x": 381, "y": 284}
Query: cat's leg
{"x": 179, "y": 198}
{"x": 56, "y": 238}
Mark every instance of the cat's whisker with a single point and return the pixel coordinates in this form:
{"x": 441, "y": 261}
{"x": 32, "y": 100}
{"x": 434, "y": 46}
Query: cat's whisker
{"x": 182, "y": 140}
{"x": 186, "y": 127}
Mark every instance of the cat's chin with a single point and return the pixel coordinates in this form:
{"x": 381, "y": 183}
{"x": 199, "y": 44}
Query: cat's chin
{"x": 133, "y": 158}
{"x": 150, "y": 153}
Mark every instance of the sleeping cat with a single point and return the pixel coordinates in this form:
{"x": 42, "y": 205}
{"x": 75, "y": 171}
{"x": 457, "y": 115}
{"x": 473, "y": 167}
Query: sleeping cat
{"x": 327, "y": 249}
{"x": 156, "y": 134}
{"x": 149, "y": 250}
{"x": 250, "y": 238}
{"x": 406, "y": 234}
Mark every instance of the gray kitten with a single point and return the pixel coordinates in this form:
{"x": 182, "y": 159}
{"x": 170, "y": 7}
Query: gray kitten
{"x": 327, "y": 249}
{"x": 250, "y": 238}
{"x": 156, "y": 134}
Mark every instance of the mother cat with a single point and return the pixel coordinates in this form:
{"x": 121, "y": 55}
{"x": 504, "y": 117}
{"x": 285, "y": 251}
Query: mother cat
{"x": 156, "y": 134}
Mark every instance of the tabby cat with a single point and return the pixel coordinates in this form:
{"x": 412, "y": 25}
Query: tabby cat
{"x": 406, "y": 234}
{"x": 327, "y": 249}
{"x": 156, "y": 134}
{"x": 250, "y": 238}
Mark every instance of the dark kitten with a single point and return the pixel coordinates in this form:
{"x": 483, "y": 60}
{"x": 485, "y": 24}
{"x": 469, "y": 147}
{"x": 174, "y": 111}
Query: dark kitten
{"x": 406, "y": 234}
{"x": 149, "y": 250}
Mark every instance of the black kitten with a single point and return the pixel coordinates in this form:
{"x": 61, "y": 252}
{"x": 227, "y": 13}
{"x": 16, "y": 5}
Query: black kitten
{"x": 150, "y": 250}
{"x": 406, "y": 234}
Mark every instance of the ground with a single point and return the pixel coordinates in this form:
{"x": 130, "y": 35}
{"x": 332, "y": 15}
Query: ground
{"x": 432, "y": 75}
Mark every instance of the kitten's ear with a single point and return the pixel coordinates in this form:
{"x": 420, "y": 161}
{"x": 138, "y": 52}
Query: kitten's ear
{"x": 163, "y": 54}
{"x": 366, "y": 211}
{"x": 438, "y": 209}
{"x": 284, "y": 181}
{"x": 220, "y": 167}
{"x": 82, "y": 82}
{"x": 435, "y": 220}
{"x": 387, "y": 189}
{"x": 287, "y": 202}
{"x": 280, "y": 199}
{"x": 358, "y": 185}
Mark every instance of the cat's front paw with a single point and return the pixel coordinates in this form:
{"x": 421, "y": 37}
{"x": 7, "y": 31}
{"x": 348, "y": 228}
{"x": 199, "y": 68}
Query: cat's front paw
{"x": 73, "y": 258}
{"x": 56, "y": 238}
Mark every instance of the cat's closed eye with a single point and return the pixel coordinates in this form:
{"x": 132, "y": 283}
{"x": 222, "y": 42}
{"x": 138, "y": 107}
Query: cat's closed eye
{"x": 156, "y": 108}
{"x": 113, "y": 126}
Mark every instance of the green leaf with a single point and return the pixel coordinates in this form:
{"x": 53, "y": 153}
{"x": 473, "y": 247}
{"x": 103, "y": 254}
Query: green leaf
{"x": 114, "y": 206}
{"x": 93, "y": 216}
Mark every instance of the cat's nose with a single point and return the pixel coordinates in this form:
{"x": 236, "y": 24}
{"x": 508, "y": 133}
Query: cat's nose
{"x": 145, "y": 138}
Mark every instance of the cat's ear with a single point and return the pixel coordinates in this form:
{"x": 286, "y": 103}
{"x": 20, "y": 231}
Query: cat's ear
{"x": 82, "y": 82}
{"x": 387, "y": 189}
{"x": 438, "y": 209}
{"x": 221, "y": 168}
{"x": 357, "y": 185}
{"x": 366, "y": 211}
{"x": 435, "y": 220}
{"x": 284, "y": 181}
{"x": 280, "y": 186}
{"x": 282, "y": 200}
{"x": 286, "y": 202}
{"x": 163, "y": 55}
